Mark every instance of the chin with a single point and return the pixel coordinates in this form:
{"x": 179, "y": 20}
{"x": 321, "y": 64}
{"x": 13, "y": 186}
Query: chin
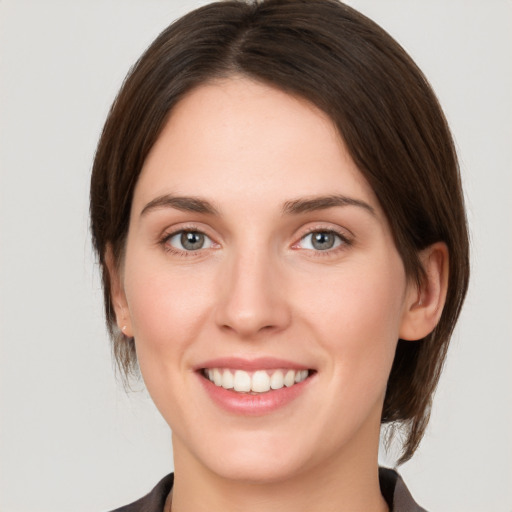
{"x": 260, "y": 458}
{"x": 257, "y": 469}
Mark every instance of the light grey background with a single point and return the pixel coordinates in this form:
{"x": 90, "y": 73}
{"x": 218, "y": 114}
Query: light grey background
{"x": 70, "y": 439}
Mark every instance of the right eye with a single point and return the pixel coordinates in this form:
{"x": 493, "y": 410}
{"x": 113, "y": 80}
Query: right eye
{"x": 321, "y": 240}
{"x": 189, "y": 241}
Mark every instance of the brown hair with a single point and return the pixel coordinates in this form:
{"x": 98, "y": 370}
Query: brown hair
{"x": 379, "y": 100}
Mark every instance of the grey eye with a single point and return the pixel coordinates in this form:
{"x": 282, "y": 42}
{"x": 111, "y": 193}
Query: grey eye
{"x": 321, "y": 240}
{"x": 190, "y": 241}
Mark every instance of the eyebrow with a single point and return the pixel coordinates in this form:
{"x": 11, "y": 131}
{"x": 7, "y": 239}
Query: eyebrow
{"x": 305, "y": 205}
{"x": 295, "y": 207}
{"x": 186, "y": 204}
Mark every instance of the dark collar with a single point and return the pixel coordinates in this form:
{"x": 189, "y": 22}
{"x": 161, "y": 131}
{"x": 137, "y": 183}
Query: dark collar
{"x": 392, "y": 486}
{"x": 154, "y": 501}
{"x": 395, "y": 492}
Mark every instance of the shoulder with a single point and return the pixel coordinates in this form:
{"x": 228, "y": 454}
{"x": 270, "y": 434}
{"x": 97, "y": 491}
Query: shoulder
{"x": 395, "y": 492}
{"x": 153, "y": 501}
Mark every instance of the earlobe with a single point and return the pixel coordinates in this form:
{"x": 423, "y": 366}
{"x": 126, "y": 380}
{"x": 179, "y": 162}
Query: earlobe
{"x": 117, "y": 294}
{"x": 425, "y": 303}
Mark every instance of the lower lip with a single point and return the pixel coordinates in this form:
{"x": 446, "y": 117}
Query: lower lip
{"x": 253, "y": 405}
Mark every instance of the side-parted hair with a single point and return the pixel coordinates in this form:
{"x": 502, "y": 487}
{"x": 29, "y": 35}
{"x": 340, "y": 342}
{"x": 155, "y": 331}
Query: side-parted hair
{"x": 383, "y": 108}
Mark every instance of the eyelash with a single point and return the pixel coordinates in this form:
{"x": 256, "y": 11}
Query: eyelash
{"x": 164, "y": 241}
{"x": 345, "y": 241}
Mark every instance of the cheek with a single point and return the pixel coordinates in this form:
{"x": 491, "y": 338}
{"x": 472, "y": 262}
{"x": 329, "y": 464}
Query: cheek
{"x": 357, "y": 314}
{"x": 166, "y": 308}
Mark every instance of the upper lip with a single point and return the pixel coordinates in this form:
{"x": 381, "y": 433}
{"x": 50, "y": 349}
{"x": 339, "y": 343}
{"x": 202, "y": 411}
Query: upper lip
{"x": 260, "y": 363}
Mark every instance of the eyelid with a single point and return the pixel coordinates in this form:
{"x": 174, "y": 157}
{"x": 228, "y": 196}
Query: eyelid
{"x": 186, "y": 226}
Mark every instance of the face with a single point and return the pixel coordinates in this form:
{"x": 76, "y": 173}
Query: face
{"x": 262, "y": 286}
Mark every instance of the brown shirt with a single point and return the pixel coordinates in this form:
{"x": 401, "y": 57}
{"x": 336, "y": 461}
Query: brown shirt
{"x": 392, "y": 486}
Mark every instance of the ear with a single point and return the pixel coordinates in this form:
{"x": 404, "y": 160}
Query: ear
{"x": 117, "y": 294}
{"x": 424, "y": 303}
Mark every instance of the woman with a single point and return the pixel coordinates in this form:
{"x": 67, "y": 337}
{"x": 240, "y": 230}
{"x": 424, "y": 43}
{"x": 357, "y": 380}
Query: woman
{"x": 277, "y": 211}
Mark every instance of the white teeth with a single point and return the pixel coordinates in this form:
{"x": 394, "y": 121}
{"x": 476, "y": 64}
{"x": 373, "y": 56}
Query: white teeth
{"x": 277, "y": 379}
{"x": 242, "y": 381}
{"x": 227, "y": 380}
{"x": 217, "y": 377}
{"x": 260, "y": 381}
{"x": 301, "y": 375}
{"x": 289, "y": 379}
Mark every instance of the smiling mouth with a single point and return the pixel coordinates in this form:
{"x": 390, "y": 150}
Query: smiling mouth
{"x": 256, "y": 382}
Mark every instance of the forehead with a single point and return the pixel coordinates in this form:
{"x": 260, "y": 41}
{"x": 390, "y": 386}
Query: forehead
{"x": 240, "y": 138}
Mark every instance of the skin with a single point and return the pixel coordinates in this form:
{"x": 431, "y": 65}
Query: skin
{"x": 259, "y": 288}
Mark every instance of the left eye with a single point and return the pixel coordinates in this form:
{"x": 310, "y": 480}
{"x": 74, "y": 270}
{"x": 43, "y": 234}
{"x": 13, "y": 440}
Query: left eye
{"x": 189, "y": 241}
{"x": 321, "y": 240}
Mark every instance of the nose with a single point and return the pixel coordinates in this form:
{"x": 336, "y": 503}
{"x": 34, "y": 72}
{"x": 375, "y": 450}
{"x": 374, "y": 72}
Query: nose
{"x": 252, "y": 297}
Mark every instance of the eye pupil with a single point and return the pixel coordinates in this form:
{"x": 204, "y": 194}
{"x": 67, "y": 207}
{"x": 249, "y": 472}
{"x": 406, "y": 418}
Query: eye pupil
{"x": 191, "y": 240}
{"x": 322, "y": 240}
